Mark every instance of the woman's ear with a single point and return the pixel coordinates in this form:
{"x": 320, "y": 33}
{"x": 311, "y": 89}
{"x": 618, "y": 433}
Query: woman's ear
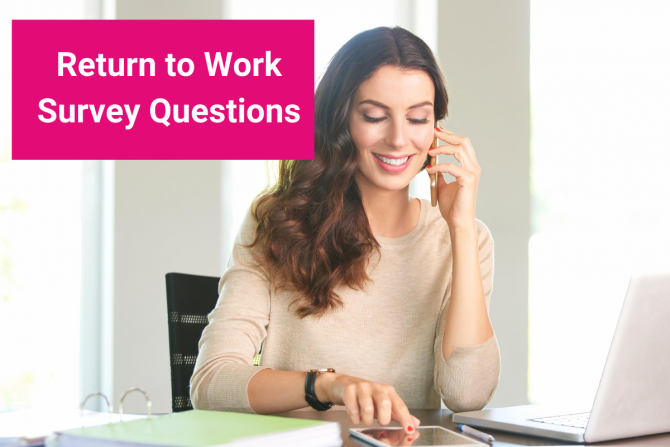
{"x": 425, "y": 163}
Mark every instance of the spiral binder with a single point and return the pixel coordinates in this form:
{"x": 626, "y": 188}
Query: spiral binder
{"x": 110, "y": 409}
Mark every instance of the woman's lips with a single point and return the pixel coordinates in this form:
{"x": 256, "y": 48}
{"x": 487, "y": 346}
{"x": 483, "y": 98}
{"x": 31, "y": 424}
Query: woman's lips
{"x": 394, "y": 169}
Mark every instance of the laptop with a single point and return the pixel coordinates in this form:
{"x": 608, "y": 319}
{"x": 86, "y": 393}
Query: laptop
{"x": 633, "y": 397}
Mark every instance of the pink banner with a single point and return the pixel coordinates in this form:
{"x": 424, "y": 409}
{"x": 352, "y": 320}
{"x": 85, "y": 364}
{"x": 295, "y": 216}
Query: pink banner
{"x": 163, "y": 89}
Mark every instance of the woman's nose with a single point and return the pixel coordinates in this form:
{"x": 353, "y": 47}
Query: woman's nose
{"x": 396, "y": 138}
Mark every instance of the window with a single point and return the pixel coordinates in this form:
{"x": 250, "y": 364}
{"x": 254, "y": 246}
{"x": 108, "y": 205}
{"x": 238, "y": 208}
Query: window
{"x": 599, "y": 96}
{"x": 40, "y": 252}
{"x": 40, "y": 283}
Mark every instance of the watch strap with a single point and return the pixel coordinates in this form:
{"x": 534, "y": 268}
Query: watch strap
{"x": 310, "y": 394}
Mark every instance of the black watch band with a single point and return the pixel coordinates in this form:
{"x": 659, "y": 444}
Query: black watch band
{"x": 310, "y": 394}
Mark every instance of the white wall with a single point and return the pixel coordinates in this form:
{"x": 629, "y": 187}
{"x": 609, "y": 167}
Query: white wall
{"x": 167, "y": 219}
{"x": 484, "y": 48}
{"x": 169, "y": 9}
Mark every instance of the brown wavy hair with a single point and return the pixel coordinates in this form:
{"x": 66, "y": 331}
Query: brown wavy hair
{"x": 312, "y": 227}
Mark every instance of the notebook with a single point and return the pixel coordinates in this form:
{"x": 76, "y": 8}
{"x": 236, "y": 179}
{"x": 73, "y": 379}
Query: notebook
{"x": 204, "y": 428}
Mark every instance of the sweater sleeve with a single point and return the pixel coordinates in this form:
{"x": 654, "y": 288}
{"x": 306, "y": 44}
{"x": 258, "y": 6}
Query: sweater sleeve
{"x": 468, "y": 380}
{"x": 237, "y": 326}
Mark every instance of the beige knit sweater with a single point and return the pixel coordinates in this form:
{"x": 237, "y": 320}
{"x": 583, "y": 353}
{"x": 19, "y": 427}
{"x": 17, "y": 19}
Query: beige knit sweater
{"x": 390, "y": 333}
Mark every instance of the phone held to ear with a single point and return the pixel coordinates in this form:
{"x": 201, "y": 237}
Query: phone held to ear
{"x": 433, "y": 177}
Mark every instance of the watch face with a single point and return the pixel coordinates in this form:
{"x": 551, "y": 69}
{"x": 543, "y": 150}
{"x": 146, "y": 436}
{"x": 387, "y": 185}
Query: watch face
{"x": 322, "y": 370}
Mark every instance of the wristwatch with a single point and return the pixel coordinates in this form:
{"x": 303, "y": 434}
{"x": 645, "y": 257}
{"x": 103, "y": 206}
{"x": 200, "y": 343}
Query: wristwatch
{"x": 310, "y": 394}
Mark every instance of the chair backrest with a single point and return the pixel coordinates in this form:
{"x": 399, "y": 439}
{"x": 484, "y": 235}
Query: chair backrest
{"x": 190, "y": 298}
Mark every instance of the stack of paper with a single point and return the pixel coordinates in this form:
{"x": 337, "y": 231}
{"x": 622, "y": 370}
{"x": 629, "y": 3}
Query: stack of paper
{"x": 201, "y": 428}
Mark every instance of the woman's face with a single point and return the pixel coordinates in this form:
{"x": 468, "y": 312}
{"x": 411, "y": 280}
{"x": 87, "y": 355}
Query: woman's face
{"x": 392, "y": 117}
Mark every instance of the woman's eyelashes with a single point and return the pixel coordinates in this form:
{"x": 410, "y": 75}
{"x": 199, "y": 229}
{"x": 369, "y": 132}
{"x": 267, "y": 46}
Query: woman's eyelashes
{"x": 371, "y": 119}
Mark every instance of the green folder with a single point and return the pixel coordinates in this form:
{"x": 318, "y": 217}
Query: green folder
{"x": 200, "y": 428}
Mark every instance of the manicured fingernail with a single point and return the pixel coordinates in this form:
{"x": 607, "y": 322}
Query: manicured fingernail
{"x": 429, "y": 166}
{"x": 410, "y": 428}
{"x": 440, "y": 129}
{"x": 409, "y": 439}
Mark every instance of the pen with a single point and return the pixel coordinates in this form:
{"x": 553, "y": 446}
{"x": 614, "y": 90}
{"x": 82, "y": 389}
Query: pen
{"x": 476, "y": 433}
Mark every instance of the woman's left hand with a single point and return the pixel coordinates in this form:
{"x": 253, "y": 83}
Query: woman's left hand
{"x": 457, "y": 199}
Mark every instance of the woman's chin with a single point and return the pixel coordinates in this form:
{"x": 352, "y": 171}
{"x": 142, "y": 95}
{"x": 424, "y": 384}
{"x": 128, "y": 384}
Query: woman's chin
{"x": 397, "y": 184}
{"x": 386, "y": 181}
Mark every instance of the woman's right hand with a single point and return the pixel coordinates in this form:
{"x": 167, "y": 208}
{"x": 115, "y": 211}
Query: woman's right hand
{"x": 365, "y": 400}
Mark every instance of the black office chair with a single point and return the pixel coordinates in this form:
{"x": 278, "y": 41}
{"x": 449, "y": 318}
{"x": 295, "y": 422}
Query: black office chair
{"x": 190, "y": 298}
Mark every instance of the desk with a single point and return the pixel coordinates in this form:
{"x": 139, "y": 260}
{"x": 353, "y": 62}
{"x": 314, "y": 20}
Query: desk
{"x": 443, "y": 418}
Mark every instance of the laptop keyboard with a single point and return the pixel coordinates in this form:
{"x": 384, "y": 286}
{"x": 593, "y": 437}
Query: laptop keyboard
{"x": 578, "y": 420}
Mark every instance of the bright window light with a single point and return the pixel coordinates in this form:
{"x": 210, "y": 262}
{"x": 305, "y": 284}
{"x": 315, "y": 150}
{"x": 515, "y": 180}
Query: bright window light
{"x": 40, "y": 251}
{"x": 600, "y": 152}
{"x": 40, "y": 283}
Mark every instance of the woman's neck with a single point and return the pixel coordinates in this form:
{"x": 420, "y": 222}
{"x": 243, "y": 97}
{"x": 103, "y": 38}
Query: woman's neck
{"x": 390, "y": 213}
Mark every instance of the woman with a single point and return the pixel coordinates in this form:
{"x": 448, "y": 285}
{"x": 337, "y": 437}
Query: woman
{"x": 336, "y": 266}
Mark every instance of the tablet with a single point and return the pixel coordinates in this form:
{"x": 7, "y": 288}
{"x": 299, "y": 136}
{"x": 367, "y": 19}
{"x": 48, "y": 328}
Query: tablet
{"x": 431, "y": 435}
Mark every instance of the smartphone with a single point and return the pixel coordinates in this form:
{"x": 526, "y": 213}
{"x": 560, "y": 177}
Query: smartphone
{"x": 431, "y": 435}
{"x": 433, "y": 177}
